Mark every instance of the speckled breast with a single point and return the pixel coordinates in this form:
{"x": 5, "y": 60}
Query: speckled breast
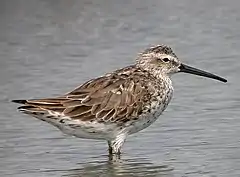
{"x": 153, "y": 109}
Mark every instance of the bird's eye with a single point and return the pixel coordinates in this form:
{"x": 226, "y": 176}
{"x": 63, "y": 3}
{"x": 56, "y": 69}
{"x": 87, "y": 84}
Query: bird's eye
{"x": 165, "y": 60}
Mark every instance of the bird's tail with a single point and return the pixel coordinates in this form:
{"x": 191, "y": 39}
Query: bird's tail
{"x": 28, "y": 109}
{"x": 20, "y": 101}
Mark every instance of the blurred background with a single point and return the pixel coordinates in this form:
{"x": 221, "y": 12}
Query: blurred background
{"x": 48, "y": 47}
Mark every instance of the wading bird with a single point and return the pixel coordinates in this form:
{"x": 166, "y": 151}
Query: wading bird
{"x": 117, "y": 104}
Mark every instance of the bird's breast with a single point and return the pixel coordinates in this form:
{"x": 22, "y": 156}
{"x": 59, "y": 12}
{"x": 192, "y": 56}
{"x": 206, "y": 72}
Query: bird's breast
{"x": 153, "y": 108}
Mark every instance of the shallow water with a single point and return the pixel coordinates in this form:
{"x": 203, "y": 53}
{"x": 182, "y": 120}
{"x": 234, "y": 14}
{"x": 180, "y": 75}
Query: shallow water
{"x": 48, "y": 47}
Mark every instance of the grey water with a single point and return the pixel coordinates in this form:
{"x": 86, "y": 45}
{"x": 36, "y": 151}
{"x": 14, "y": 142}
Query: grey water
{"x": 48, "y": 47}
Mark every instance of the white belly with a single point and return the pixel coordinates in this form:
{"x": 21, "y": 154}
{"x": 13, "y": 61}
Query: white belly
{"x": 82, "y": 129}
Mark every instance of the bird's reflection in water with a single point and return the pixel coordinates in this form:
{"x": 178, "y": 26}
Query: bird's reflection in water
{"x": 138, "y": 167}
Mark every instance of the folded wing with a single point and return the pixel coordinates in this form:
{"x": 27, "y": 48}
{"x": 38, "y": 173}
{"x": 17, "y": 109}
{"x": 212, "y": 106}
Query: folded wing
{"x": 109, "y": 99}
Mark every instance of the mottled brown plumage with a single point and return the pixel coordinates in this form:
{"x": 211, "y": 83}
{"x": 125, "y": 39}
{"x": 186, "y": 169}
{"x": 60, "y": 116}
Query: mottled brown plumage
{"x": 116, "y": 97}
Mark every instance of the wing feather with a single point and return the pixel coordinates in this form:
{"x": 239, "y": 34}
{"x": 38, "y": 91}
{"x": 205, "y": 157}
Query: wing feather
{"x": 114, "y": 97}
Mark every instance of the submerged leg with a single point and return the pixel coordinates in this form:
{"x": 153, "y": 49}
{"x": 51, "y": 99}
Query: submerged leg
{"x": 110, "y": 149}
{"x": 114, "y": 146}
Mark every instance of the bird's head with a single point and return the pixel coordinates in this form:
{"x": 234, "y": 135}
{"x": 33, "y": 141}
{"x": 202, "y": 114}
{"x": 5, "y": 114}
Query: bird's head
{"x": 161, "y": 61}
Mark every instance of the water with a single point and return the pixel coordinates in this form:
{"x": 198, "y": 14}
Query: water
{"x": 48, "y": 47}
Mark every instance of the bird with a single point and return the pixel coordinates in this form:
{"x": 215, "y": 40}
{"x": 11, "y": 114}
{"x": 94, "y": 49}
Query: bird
{"x": 118, "y": 104}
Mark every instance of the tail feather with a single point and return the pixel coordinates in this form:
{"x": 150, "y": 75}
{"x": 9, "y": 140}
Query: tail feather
{"x": 27, "y": 108}
{"x": 40, "y": 105}
{"x": 20, "y": 101}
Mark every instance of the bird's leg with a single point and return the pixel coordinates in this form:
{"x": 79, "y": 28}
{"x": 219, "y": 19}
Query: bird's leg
{"x": 115, "y": 145}
{"x": 110, "y": 149}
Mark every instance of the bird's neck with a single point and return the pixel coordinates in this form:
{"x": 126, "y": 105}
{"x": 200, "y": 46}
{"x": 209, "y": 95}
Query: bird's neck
{"x": 158, "y": 75}
{"x": 162, "y": 77}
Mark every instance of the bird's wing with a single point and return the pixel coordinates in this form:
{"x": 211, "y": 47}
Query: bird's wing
{"x": 109, "y": 98}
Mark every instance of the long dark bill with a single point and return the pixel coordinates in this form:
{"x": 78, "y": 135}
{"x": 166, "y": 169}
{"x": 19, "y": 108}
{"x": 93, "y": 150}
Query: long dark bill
{"x": 188, "y": 69}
